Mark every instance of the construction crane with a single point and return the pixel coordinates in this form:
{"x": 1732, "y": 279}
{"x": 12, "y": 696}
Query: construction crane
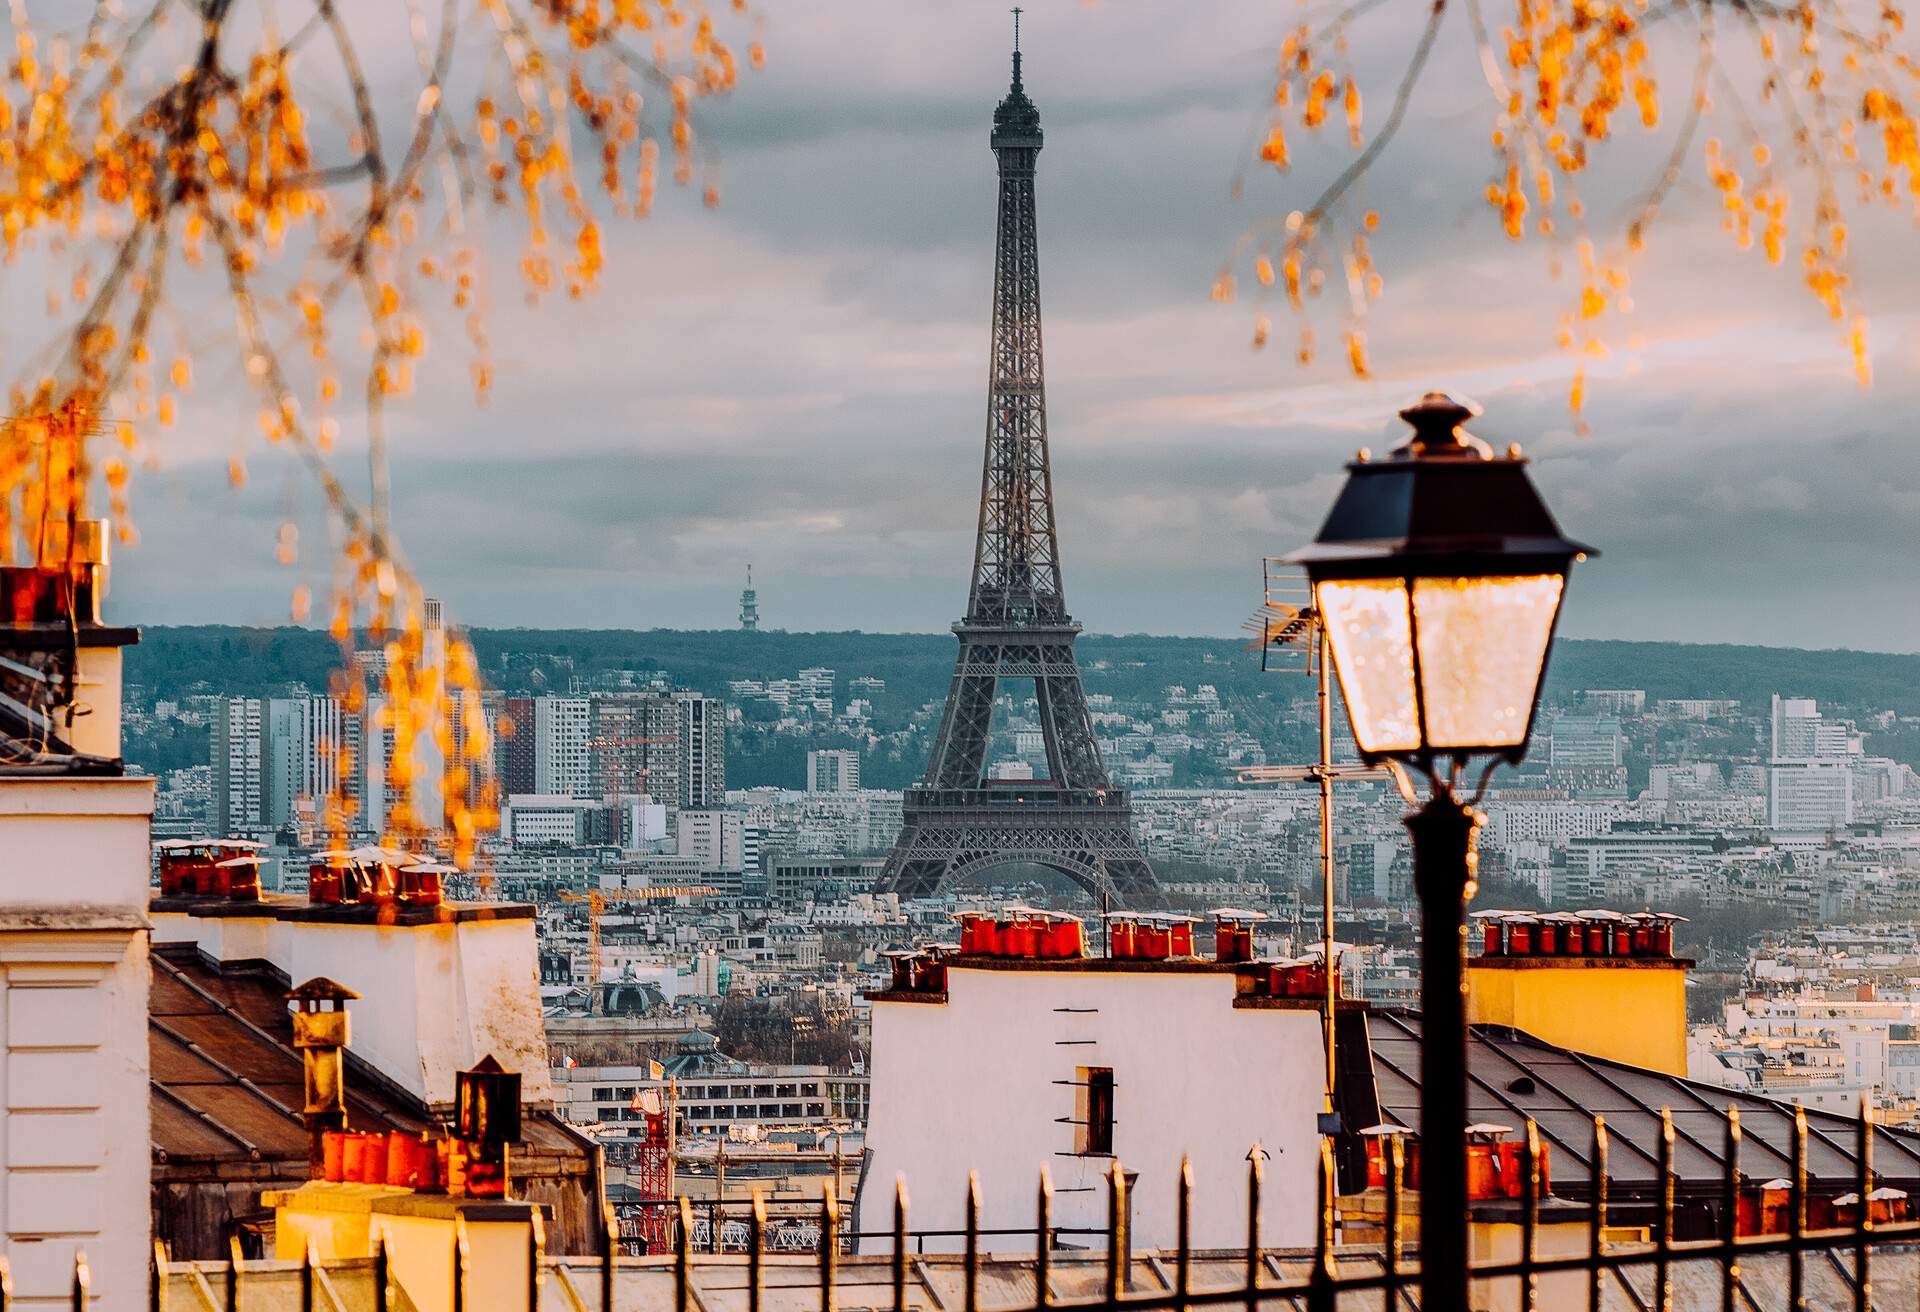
{"x": 597, "y": 899}
{"x": 614, "y": 782}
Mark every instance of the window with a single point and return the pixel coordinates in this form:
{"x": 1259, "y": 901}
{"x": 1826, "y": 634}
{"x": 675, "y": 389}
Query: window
{"x": 1094, "y": 1111}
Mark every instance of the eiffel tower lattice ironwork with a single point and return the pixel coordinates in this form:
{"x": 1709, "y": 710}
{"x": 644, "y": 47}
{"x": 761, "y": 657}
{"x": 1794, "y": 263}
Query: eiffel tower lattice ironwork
{"x": 959, "y": 822}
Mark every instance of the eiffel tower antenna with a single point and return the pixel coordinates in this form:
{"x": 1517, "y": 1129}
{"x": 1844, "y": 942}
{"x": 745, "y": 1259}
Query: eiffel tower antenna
{"x": 958, "y": 820}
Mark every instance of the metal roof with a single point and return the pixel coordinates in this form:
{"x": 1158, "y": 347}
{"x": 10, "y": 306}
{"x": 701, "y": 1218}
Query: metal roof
{"x": 227, "y": 1088}
{"x": 1512, "y": 1075}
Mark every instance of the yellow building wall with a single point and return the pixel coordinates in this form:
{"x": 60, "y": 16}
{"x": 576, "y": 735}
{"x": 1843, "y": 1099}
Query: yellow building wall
{"x": 1633, "y": 1013}
{"x": 340, "y": 1221}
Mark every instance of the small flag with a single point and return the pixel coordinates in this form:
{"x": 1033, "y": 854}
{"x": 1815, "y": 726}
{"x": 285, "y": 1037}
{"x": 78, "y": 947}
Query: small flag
{"x": 567, "y": 1062}
{"x": 655, "y": 1071}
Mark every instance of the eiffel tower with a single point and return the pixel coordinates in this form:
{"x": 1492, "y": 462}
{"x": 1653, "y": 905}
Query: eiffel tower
{"x": 958, "y": 821}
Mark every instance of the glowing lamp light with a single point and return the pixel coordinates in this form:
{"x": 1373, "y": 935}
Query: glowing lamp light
{"x": 1439, "y": 574}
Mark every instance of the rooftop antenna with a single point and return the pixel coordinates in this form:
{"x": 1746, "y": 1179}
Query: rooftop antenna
{"x": 1016, "y": 45}
{"x": 1292, "y": 639}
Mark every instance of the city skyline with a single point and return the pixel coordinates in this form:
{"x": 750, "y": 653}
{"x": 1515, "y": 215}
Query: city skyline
{"x": 617, "y": 888}
{"x": 798, "y": 388}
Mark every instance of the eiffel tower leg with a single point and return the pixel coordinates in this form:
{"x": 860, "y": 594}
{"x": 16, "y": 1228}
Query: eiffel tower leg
{"x": 960, "y": 752}
{"x": 1072, "y": 756}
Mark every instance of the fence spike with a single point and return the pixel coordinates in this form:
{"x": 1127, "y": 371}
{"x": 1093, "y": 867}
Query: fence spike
{"x": 756, "y": 1243}
{"x": 1043, "y": 1241}
{"x": 1663, "y": 1248}
{"x": 683, "y": 1258}
{"x": 1863, "y": 1222}
{"x": 1320, "y": 1286}
{"x": 1183, "y": 1254}
{"x": 609, "y": 1252}
{"x": 1797, "y": 1214}
{"x": 462, "y": 1258}
{"x": 157, "y": 1291}
{"x": 900, "y": 1243}
{"x": 382, "y": 1289}
{"x": 1530, "y": 1217}
{"x": 82, "y": 1280}
{"x": 1396, "y": 1164}
{"x": 1119, "y": 1254}
{"x": 536, "y": 1256}
{"x": 1730, "y": 1212}
{"x": 829, "y": 1243}
{"x": 1255, "y": 1156}
{"x": 970, "y": 1286}
{"x": 1596, "y": 1211}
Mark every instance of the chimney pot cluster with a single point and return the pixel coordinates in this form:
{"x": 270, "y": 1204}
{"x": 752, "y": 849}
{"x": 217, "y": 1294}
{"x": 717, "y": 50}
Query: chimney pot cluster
{"x": 921, "y": 970}
{"x": 1595, "y": 933}
{"x": 1018, "y": 931}
{"x": 375, "y": 876}
{"x": 1299, "y": 977}
{"x": 67, "y": 584}
{"x": 210, "y": 867}
{"x": 1150, "y": 936}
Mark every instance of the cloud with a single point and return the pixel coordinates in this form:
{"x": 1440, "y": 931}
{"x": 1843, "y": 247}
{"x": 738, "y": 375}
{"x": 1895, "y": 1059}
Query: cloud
{"x": 797, "y": 379}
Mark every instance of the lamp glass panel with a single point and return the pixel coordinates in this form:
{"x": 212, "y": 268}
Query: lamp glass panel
{"x": 1372, "y": 638}
{"x": 1483, "y": 645}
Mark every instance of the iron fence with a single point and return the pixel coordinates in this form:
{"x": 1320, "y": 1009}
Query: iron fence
{"x": 1336, "y": 1274}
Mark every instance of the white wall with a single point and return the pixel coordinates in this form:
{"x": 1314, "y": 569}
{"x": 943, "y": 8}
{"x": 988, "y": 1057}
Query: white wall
{"x": 434, "y": 998}
{"x": 973, "y": 1083}
{"x": 74, "y": 1130}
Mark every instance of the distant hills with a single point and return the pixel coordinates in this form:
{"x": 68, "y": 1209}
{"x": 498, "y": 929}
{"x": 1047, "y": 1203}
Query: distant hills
{"x": 174, "y": 661}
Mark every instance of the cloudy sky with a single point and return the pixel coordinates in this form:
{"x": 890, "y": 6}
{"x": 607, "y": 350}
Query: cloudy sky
{"x": 796, "y": 380}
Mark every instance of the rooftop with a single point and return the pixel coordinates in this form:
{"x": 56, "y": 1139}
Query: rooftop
{"x": 227, "y": 1090}
{"x": 1512, "y": 1075}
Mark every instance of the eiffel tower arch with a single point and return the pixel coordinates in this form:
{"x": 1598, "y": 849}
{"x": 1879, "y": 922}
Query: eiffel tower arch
{"x": 959, "y": 822}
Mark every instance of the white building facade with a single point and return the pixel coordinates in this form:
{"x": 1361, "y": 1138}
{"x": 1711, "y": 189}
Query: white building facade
{"x": 74, "y": 1066}
{"x": 1073, "y": 1065}
{"x": 562, "y": 763}
{"x": 833, "y": 770}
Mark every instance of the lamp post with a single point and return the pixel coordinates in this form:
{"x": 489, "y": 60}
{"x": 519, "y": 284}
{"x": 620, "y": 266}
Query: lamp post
{"x": 1439, "y": 574}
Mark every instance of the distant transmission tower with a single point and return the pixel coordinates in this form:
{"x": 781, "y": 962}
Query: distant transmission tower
{"x": 749, "y": 605}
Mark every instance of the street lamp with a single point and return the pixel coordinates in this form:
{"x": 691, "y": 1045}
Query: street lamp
{"x": 1438, "y": 575}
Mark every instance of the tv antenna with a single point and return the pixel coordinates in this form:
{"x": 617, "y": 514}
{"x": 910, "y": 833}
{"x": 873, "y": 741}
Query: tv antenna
{"x": 1292, "y": 640}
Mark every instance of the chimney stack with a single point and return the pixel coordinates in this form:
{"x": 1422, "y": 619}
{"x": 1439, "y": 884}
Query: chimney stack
{"x": 1599, "y": 982}
{"x": 68, "y": 702}
{"x": 320, "y": 1032}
